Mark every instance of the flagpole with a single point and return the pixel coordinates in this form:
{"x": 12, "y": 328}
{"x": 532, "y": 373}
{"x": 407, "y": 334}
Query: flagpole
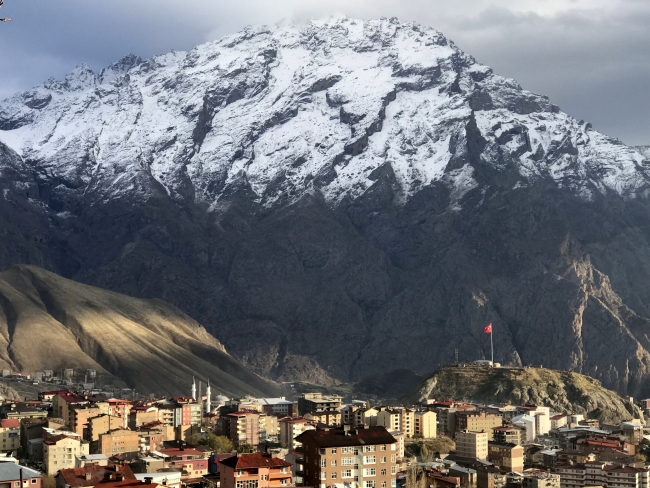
{"x": 492, "y": 347}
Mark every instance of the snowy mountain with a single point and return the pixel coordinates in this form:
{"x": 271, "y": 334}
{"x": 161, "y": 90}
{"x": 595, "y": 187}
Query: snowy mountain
{"x": 323, "y": 196}
{"x": 305, "y": 109}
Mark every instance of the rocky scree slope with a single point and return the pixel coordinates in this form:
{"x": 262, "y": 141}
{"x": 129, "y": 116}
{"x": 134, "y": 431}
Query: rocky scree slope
{"x": 323, "y": 197}
{"x": 49, "y": 322}
{"x": 563, "y": 391}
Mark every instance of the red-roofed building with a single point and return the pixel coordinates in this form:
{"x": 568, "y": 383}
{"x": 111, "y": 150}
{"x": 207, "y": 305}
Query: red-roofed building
{"x": 59, "y": 451}
{"x": 92, "y": 475}
{"x": 10, "y": 434}
{"x": 193, "y": 462}
{"x": 120, "y": 482}
{"x": 258, "y": 470}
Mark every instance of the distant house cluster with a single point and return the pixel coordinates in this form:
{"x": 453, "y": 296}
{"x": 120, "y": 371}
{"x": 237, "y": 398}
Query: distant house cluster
{"x": 86, "y": 439}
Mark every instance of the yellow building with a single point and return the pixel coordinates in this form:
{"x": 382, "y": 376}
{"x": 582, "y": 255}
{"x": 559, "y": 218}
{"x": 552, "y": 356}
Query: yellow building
{"x": 401, "y": 419}
{"x": 471, "y": 445}
{"x": 59, "y": 452}
{"x": 10, "y": 435}
{"x": 425, "y": 424}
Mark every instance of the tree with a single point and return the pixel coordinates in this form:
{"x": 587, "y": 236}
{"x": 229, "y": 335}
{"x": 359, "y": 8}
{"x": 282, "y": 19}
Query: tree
{"x": 244, "y": 448}
{"x": 218, "y": 443}
{"x": 48, "y": 481}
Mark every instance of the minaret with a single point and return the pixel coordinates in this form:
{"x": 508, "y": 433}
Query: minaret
{"x": 208, "y": 398}
{"x": 193, "y": 388}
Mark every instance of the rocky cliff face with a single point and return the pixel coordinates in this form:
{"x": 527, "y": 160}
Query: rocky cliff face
{"x": 327, "y": 197}
{"x": 48, "y": 322}
{"x": 563, "y": 391}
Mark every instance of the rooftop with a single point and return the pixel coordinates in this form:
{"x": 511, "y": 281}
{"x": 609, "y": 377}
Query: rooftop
{"x": 354, "y": 437}
{"x": 11, "y": 471}
{"x": 255, "y": 460}
{"x": 76, "y": 477}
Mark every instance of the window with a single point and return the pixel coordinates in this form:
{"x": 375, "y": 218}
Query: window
{"x": 393, "y": 458}
{"x": 34, "y": 481}
{"x": 347, "y": 450}
{"x": 323, "y": 475}
{"x": 346, "y": 473}
{"x": 370, "y": 484}
{"x": 383, "y": 459}
{"x": 322, "y": 463}
{"x": 246, "y": 484}
{"x": 393, "y": 447}
{"x": 333, "y": 462}
{"x": 370, "y": 472}
{"x": 284, "y": 481}
{"x": 383, "y": 447}
{"x": 240, "y": 472}
{"x": 368, "y": 448}
{"x": 321, "y": 452}
{"x": 347, "y": 461}
{"x": 369, "y": 459}
{"x": 383, "y": 484}
{"x": 264, "y": 477}
{"x": 16, "y": 483}
{"x": 383, "y": 472}
{"x": 393, "y": 483}
{"x": 284, "y": 470}
{"x": 334, "y": 450}
{"x": 393, "y": 470}
{"x": 334, "y": 475}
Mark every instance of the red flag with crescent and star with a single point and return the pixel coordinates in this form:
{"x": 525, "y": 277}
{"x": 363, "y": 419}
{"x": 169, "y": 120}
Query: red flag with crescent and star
{"x": 488, "y": 329}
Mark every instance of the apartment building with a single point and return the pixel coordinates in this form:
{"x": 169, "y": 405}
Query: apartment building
{"x": 244, "y": 428}
{"x": 535, "y": 478}
{"x": 508, "y": 457}
{"x": 79, "y": 416}
{"x": 290, "y": 428}
{"x": 471, "y": 445}
{"x": 363, "y": 457}
{"x": 478, "y": 422}
{"x": 269, "y": 428}
{"x": 602, "y": 474}
{"x": 59, "y": 452}
{"x": 317, "y": 402}
{"x": 10, "y": 435}
{"x": 193, "y": 462}
{"x": 118, "y": 441}
{"x": 402, "y": 419}
{"x": 142, "y": 414}
{"x": 559, "y": 420}
{"x": 425, "y": 424}
{"x": 331, "y": 418}
{"x": 258, "y": 470}
{"x": 508, "y": 434}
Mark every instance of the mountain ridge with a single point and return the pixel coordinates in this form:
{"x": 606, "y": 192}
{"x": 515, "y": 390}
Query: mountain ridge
{"x": 48, "y": 322}
{"x": 320, "y": 197}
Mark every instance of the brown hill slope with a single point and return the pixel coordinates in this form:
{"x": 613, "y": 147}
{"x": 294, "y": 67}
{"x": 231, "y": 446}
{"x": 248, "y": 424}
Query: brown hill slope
{"x": 563, "y": 391}
{"x": 49, "y": 322}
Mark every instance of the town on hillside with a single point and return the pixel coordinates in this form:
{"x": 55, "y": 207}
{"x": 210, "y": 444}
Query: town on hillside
{"x": 86, "y": 438}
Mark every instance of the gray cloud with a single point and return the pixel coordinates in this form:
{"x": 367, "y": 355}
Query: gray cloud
{"x": 590, "y": 57}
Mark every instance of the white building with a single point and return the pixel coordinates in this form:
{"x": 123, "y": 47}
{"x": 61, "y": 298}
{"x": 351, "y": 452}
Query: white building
{"x": 529, "y": 423}
{"x": 602, "y": 474}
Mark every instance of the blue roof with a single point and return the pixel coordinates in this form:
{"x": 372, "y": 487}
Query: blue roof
{"x": 11, "y": 472}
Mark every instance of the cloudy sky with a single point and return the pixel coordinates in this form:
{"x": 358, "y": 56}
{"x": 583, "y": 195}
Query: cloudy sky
{"x": 592, "y": 57}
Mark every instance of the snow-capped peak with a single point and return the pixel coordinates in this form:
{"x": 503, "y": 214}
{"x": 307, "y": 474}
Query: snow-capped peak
{"x": 292, "y": 109}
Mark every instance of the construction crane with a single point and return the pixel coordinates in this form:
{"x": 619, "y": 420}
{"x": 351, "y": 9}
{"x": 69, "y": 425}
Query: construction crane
{"x": 6, "y": 19}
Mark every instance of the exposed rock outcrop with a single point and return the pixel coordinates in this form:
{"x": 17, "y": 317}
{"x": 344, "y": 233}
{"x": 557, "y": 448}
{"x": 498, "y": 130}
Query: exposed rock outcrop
{"x": 563, "y": 391}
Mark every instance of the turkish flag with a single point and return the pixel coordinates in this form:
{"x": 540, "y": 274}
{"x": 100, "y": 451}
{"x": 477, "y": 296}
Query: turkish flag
{"x": 488, "y": 329}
